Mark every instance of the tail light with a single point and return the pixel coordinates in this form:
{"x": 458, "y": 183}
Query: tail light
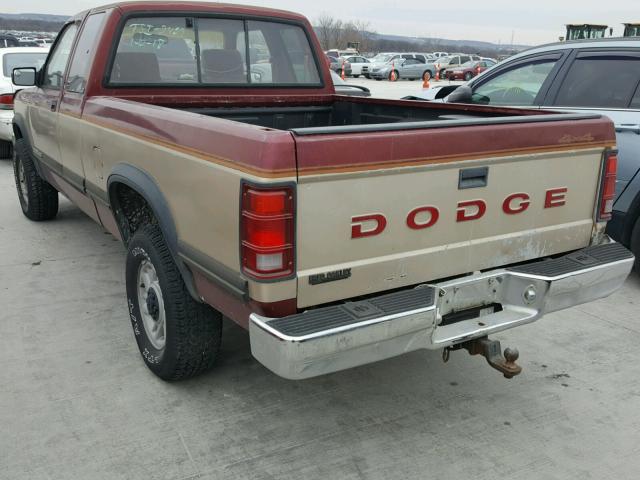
{"x": 608, "y": 188}
{"x": 267, "y": 231}
{"x": 6, "y": 101}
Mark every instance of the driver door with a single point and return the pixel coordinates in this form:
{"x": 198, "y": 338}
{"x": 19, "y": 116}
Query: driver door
{"x": 43, "y": 113}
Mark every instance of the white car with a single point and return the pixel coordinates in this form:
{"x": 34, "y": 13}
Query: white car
{"x": 357, "y": 62}
{"x": 11, "y": 58}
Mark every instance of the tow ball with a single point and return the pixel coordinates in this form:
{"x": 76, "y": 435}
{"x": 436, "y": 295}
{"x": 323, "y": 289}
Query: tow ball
{"x": 490, "y": 349}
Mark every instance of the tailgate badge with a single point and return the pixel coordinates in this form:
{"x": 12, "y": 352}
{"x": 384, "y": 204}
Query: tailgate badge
{"x": 319, "y": 278}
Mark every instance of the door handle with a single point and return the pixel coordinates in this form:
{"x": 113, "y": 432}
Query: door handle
{"x": 52, "y": 105}
{"x": 628, "y": 128}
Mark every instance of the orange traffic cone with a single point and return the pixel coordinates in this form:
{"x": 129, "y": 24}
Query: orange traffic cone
{"x": 437, "y": 72}
{"x": 392, "y": 77}
{"x": 342, "y": 74}
{"x": 425, "y": 84}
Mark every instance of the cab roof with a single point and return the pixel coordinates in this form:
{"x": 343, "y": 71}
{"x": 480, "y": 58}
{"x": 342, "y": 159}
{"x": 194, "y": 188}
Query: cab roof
{"x": 204, "y": 7}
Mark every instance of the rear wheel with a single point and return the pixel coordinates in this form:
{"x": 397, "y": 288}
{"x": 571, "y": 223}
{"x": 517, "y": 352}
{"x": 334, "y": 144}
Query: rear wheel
{"x": 5, "y": 149}
{"x": 468, "y": 76}
{"x": 38, "y": 199}
{"x": 177, "y": 336}
{"x": 426, "y": 76}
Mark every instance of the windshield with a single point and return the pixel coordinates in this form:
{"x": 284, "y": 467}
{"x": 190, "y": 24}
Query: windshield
{"x": 469, "y": 64}
{"x": 382, "y": 58}
{"x": 19, "y": 60}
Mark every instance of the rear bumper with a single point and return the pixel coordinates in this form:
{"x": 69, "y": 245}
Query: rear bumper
{"x": 337, "y": 337}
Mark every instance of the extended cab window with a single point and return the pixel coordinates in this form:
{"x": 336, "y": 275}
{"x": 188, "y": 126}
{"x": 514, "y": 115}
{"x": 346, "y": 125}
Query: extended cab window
{"x": 84, "y": 53}
{"x": 600, "y": 81}
{"x": 517, "y": 86}
{"x": 212, "y": 51}
{"x": 57, "y": 64}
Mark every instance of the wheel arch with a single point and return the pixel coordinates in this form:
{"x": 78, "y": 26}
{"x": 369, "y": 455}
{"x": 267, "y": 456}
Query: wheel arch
{"x": 144, "y": 185}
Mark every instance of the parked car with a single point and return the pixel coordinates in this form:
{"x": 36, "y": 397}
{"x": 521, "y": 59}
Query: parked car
{"x": 588, "y": 76}
{"x": 338, "y": 231}
{"x": 468, "y": 70}
{"x": 344, "y": 88}
{"x": 454, "y": 61}
{"x": 7, "y": 41}
{"x": 9, "y": 59}
{"x": 356, "y": 62}
{"x": 386, "y": 60}
{"x": 336, "y": 65}
{"x": 440, "y": 54}
{"x": 407, "y": 68}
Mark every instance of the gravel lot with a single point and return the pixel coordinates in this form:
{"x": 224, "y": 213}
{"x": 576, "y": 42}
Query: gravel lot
{"x": 77, "y": 402}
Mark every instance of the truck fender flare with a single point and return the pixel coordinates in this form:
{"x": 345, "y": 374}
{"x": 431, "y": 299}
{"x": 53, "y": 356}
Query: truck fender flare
{"x": 20, "y": 125}
{"x": 142, "y": 183}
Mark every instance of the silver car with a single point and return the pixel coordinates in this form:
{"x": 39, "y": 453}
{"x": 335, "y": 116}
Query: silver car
{"x": 409, "y": 68}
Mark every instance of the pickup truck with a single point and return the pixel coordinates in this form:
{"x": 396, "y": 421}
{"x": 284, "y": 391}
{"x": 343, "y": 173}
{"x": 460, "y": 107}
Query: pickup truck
{"x": 338, "y": 230}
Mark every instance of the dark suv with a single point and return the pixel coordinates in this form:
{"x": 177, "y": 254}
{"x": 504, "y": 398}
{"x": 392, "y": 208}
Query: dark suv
{"x": 599, "y": 76}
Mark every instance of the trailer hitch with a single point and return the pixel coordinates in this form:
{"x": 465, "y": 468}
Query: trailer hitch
{"x": 490, "y": 349}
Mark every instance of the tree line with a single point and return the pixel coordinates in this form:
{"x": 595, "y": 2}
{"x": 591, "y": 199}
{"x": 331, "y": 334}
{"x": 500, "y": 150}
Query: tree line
{"x": 335, "y": 33}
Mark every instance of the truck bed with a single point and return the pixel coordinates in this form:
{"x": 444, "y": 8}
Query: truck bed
{"x": 342, "y": 114}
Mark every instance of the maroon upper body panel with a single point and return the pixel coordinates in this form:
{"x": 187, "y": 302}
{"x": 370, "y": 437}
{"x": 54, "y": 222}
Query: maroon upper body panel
{"x": 203, "y": 95}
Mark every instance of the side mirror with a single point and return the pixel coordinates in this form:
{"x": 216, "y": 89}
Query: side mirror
{"x": 462, "y": 94}
{"x": 24, "y": 77}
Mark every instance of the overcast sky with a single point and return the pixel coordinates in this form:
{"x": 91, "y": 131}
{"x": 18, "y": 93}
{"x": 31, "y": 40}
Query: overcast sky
{"x": 531, "y": 22}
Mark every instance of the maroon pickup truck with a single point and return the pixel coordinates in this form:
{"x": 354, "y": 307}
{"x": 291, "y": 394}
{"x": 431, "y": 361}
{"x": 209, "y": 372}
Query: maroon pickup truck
{"x": 339, "y": 231}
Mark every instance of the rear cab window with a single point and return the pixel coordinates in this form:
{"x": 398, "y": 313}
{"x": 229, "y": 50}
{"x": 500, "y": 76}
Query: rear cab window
{"x": 183, "y": 51}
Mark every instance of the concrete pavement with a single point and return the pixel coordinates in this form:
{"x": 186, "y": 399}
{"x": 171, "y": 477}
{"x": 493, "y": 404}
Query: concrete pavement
{"x": 77, "y": 402}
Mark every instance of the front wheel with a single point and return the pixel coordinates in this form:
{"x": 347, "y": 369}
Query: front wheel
{"x": 355, "y": 76}
{"x": 468, "y": 76}
{"x": 177, "y": 336}
{"x": 38, "y": 199}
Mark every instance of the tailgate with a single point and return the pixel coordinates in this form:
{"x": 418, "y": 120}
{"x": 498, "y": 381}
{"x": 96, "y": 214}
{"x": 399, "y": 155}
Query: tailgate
{"x": 384, "y": 209}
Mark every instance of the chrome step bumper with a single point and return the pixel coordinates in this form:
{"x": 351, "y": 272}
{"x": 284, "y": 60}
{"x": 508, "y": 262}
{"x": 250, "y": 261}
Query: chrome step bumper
{"x": 337, "y": 337}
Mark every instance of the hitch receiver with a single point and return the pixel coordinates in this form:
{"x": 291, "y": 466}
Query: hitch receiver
{"x": 490, "y": 349}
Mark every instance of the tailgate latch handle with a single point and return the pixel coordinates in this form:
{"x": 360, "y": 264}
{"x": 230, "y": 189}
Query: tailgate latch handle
{"x": 473, "y": 177}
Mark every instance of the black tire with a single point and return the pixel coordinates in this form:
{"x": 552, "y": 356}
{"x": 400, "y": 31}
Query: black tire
{"x": 468, "y": 76}
{"x": 355, "y": 76}
{"x": 378, "y": 79}
{"x": 634, "y": 244}
{"x": 192, "y": 331}
{"x": 5, "y": 149}
{"x": 366, "y": 75}
{"x": 426, "y": 75}
{"x": 38, "y": 199}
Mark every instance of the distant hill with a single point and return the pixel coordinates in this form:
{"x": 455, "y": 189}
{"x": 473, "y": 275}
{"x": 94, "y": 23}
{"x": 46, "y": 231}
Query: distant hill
{"x": 31, "y": 22}
{"x": 467, "y": 46}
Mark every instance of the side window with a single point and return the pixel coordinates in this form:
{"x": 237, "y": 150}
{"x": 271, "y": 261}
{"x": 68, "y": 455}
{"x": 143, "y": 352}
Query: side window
{"x": 420, "y": 58}
{"x": 57, "y": 64}
{"x": 517, "y": 86}
{"x": 407, "y": 56}
{"x": 464, "y": 59}
{"x": 600, "y": 81}
{"x": 84, "y": 53}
